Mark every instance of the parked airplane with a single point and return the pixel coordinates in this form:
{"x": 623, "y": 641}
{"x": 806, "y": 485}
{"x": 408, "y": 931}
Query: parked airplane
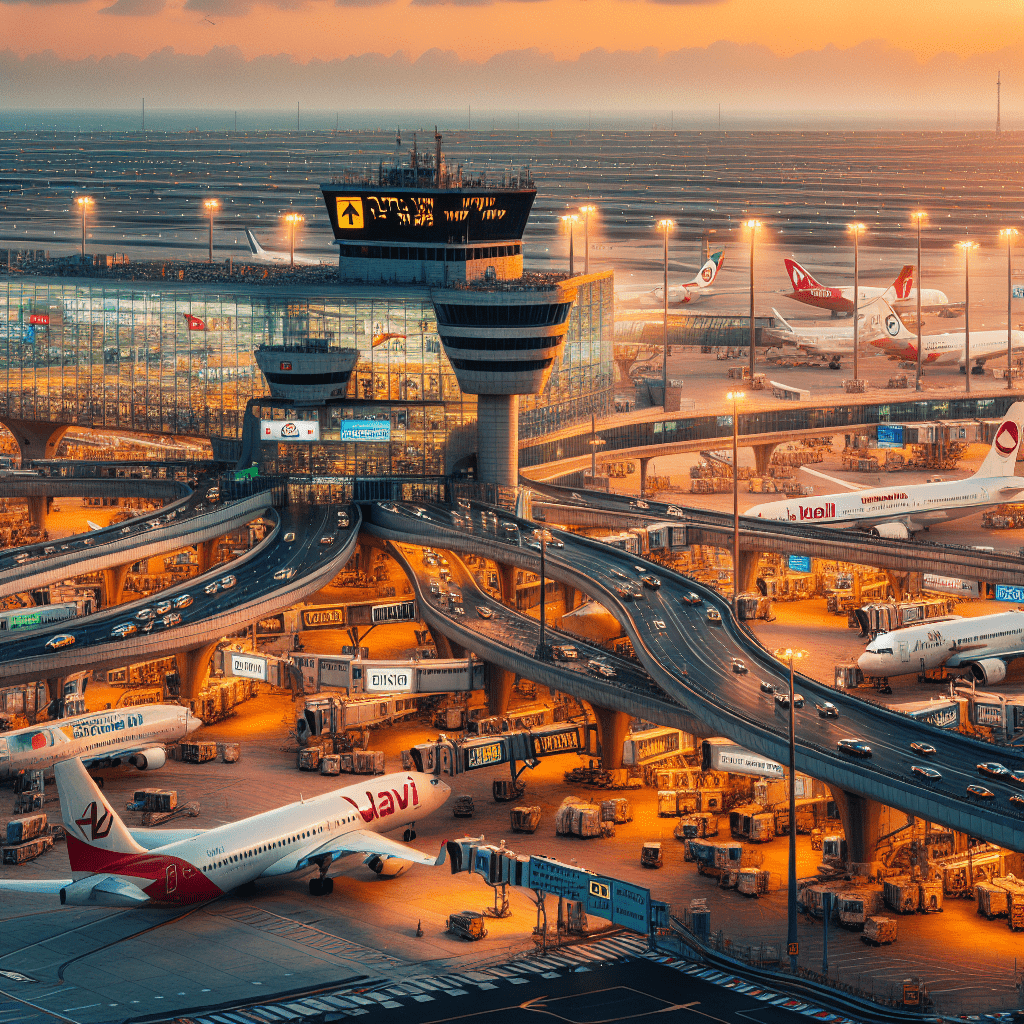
{"x": 113, "y": 866}
{"x": 680, "y": 294}
{"x": 983, "y": 646}
{"x": 831, "y": 343}
{"x": 898, "y": 511}
{"x": 104, "y": 738}
{"x": 265, "y": 256}
{"x": 900, "y": 293}
{"x": 941, "y": 349}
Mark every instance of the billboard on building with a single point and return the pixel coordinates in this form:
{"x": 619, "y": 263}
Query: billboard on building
{"x": 799, "y": 563}
{"x": 949, "y": 585}
{"x": 247, "y": 666}
{"x": 365, "y": 430}
{"x": 289, "y": 430}
{"x": 1004, "y": 592}
{"x": 388, "y": 679}
{"x": 890, "y": 435}
{"x": 402, "y": 611}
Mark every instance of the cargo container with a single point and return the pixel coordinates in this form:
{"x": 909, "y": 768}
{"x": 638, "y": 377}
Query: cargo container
{"x": 309, "y": 759}
{"x": 467, "y": 925}
{"x": 504, "y": 790}
{"x": 880, "y": 931}
{"x": 160, "y": 801}
{"x": 21, "y": 853}
{"x": 668, "y": 803}
{"x": 525, "y": 819}
{"x": 854, "y": 907}
{"x": 697, "y": 918}
{"x": 574, "y": 817}
{"x": 198, "y": 752}
{"x": 814, "y": 898}
{"x": 711, "y": 801}
{"x": 753, "y": 823}
{"x": 697, "y": 826}
{"x": 650, "y": 855}
{"x": 463, "y": 807}
{"x": 230, "y": 753}
{"x": 931, "y": 897}
{"x": 368, "y": 762}
{"x": 21, "y": 830}
{"x": 992, "y": 899}
{"x": 687, "y": 801}
{"x": 1015, "y": 914}
{"x": 902, "y": 895}
{"x": 753, "y": 882}
{"x": 617, "y": 810}
{"x": 833, "y": 848}
{"x": 330, "y": 764}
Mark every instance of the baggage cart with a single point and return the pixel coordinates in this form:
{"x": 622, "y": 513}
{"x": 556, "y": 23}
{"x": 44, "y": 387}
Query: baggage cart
{"x": 931, "y": 897}
{"x": 687, "y": 801}
{"x": 22, "y": 853}
{"x": 668, "y": 803}
{"x": 368, "y": 762}
{"x": 992, "y": 899}
{"x": 468, "y": 925}
{"x": 617, "y": 810}
{"x": 463, "y": 807}
{"x": 20, "y": 830}
{"x": 230, "y": 753}
{"x": 902, "y": 895}
{"x": 504, "y": 790}
{"x": 162, "y": 801}
{"x": 330, "y": 764}
{"x": 650, "y": 855}
{"x": 309, "y": 759}
{"x": 525, "y": 819}
{"x": 1015, "y": 911}
{"x": 198, "y": 752}
{"x": 879, "y": 931}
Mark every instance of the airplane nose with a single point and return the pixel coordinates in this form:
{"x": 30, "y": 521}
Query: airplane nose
{"x": 870, "y": 664}
{"x": 192, "y": 723}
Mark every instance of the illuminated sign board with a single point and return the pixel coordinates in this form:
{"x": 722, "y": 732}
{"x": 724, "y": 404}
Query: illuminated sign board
{"x": 799, "y": 563}
{"x": 890, "y": 435}
{"x": 988, "y": 714}
{"x": 289, "y": 430}
{"x": 1007, "y": 593}
{"x": 945, "y": 715}
{"x": 1018, "y": 291}
{"x": 949, "y": 585}
{"x": 485, "y": 754}
{"x": 403, "y": 611}
{"x": 324, "y": 616}
{"x": 365, "y": 430}
{"x": 246, "y": 666}
{"x": 388, "y": 680}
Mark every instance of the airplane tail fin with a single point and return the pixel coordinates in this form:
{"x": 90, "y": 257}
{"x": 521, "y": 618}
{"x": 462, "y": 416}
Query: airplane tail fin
{"x": 783, "y": 324}
{"x": 799, "y": 277}
{"x": 97, "y": 837}
{"x": 899, "y": 290}
{"x": 879, "y": 323}
{"x": 1002, "y": 456}
{"x": 706, "y": 276}
{"x": 254, "y": 247}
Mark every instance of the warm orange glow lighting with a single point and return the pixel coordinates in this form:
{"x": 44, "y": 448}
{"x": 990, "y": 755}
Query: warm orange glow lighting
{"x": 666, "y": 225}
{"x": 857, "y": 228}
{"x": 211, "y": 204}
{"x": 84, "y": 200}
{"x": 919, "y": 215}
{"x": 294, "y": 218}
{"x": 735, "y": 395}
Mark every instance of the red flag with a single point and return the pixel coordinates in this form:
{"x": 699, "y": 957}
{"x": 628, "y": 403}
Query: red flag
{"x": 194, "y": 323}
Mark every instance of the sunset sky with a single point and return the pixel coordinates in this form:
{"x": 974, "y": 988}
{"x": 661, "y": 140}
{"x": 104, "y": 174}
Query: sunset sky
{"x": 801, "y": 54}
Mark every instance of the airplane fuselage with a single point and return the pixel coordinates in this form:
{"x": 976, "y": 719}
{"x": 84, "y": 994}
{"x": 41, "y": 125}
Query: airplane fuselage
{"x": 943, "y": 349}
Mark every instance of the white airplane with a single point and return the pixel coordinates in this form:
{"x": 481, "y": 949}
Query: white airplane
{"x": 265, "y": 256}
{"x": 983, "y": 646}
{"x": 113, "y": 866}
{"x": 680, "y": 294}
{"x": 891, "y": 335}
{"x": 898, "y": 511}
{"x": 831, "y": 343}
{"x": 104, "y": 738}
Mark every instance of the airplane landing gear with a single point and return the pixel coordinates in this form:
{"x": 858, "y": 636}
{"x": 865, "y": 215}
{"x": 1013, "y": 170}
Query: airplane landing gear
{"x": 321, "y": 886}
{"x": 409, "y": 834}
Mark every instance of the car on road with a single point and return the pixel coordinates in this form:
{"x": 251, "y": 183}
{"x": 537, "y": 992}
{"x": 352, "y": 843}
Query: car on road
{"x": 535, "y": 544}
{"x": 858, "y": 748}
{"x": 782, "y": 699}
{"x": 1017, "y": 801}
{"x": 227, "y": 582}
{"x": 619, "y": 573}
{"x": 767, "y": 687}
{"x": 599, "y": 668}
{"x": 739, "y": 666}
{"x": 625, "y": 593}
{"x": 659, "y": 624}
{"x": 458, "y": 609}
{"x": 211, "y": 588}
{"x": 555, "y": 543}
{"x": 692, "y": 598}
{"x": 123, "y": 629}
{"x": 285, "y": 574}
{"x": 1016, "y": 778}
{"x": 55, "y": 643}
{"x": 434, "y": 586}
{"x": 387, "y": 506}
{"x": 162, "y": 607}
{"x": 928, "y": 774}
{"x": 182, "y": 601}
{"x": 637, "y": 592}
{"x": 484, "y": 612}
{"x": 993, "y": 769}
{"x": 652, "y": 581}
{"x": 639, "y": 504}
{"x": 213, "y": 494}
{"x": 980, "y": 793}
{"x": 714, "y": 615}
{"x": 923, "y": 748}
{"x": 326, "y": 540}
{"x": 343, "y": 521}
{"x": 826, "y": 709}
{"x": 564, "y": 652}
{"x": 144, "y": 615}
{"x": 167, "y": 621}
{"x": 289, "y": 537}
{"x": 89, "y": 541}
{"x": 126, "y": 529}
{"x": 674, "y": 510}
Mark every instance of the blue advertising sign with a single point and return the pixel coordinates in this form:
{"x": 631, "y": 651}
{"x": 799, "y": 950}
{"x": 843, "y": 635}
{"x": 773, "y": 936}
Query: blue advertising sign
{"x": 890, "y": 435}
{"x": 365, "y": 430}
{"x": 1007, "y": 593}
{"x": 1018, "y": 291}
{"x": 799, "y": 563}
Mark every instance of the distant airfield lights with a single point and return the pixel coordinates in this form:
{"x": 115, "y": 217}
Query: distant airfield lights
{"x": 84, "y": 202}
{"x": 569, "y": 222}
{"x": 665, "y": 226}
{"x": 918, "y": 216}
{"x": 586, "y": 211}
{"x": 967, "y": 247}
{"x": 734, "y": 397}
{"x": 211, "y": 206}
{"x": 791, "y": 655}
{"x": 856, "y": 230}
{"x": 293, "y": 220}
{"x": 752, "y": 226}
{"x": 1009, "y": 234}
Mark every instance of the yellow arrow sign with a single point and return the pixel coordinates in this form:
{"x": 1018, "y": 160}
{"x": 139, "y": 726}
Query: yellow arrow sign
{"x": 350, "y": 212}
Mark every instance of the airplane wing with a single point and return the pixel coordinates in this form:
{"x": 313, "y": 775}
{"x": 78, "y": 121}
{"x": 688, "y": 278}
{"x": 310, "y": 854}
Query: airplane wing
{"x": 962, "y": 655}
{"x": 369, "y": 843}
{"x": 834, "y": 479}
{"x": 50, "y": 886}
{"x": 1011, "y": 489}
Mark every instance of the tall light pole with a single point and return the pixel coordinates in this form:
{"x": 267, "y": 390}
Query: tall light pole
{"x": 918, "y": 215}
{"x": 569, "y": 220}
{"x": 586, "y": 211}
{"x": 1011, "y": 234}
{"x": 293, "y": 219}
{"x": 211, "y": 206}
{"x": 856, "y": 229}
{"x": 792, "y": 941}
{"x": 752, "y": 226}
{"x": 967, "y": 247}
{"x": 84, "y": 202}
{"x": 735, "y": 396}
{"x": 666, "y": 226}
{"x": 543, "y": 536}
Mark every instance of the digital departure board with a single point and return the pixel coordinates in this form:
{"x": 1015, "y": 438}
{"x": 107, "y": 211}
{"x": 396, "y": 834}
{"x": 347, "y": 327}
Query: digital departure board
{"x": 427, "y": 216}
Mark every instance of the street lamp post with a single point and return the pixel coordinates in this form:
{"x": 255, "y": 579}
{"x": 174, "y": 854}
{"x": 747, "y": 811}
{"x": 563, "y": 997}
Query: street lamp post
{"x": 543, "y": 536}
{"x": 735, "y": 396}
{"x": 84, "y": 202}
{"x": 586, "y": 211}
{"x": 293, "y": 219}
{"x": 792, "y": 941}
{"x": 211, "y": 208}
{"x": 752, "y": 226}
{"x": 1011, "y": 234}
{"x": 918, "y": 215}
{"x": 666, "y": 226}
{"x": 856, "y": 229}
{"x": 967, "y": 247}
{"x": 569, "y": 220}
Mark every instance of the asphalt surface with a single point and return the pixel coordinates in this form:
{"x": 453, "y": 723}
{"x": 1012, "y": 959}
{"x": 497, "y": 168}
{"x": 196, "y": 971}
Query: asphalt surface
{"x": 691, "y": 659}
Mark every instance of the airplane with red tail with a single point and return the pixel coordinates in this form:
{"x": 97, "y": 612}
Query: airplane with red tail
{"x": 114, "y": 866}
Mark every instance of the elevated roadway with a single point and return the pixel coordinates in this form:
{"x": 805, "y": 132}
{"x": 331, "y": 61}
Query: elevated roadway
{"x": 690, "y": 659}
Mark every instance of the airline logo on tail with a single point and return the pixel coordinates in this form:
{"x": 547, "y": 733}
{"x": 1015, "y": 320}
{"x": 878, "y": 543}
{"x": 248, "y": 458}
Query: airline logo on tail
{"x": 1007, "y": 438}
{"x": 801, "y": 279}
{"x": 903, "y": 284}
{"x": 893, "y": 325}
{"x": 707, "y": 274}
{"x": 96, "y": 824}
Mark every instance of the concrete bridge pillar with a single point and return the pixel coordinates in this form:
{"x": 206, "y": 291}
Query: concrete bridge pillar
{"x": 36, "y": 440}
{"x": 498, "y": 684}
{"x": 612, "y": 727}
{"x": 364, "y": 555}
{"x": 193, "y": 667}
{"x": 507, "y": 580}
{"x": 112, "y": 587}
{"x": 898, "y": 581}
{"x": 205, "y": 551}
{"x": 762, "y": 457}
{"x": 38, "y": 507}
{"x": 862, "y": 826}
{"x": 745, "y": 576}
{"x": 643, "y": 476}
{"x": 442, "y": 643}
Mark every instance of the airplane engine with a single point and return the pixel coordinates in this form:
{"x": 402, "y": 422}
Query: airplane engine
{"x": 150, "y": 759}
{"x": 892, "y": 531}
{"x": 989, "y": 671}
{"x": 387, "y": 867}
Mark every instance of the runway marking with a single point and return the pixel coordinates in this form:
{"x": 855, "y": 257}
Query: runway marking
{"x": 40, "y": 1009}
{"x": 543, "y": 1004}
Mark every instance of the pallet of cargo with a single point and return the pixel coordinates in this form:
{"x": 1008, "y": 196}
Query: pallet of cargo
{"x": 309, "y": 759}
{"x": 21, "y": 853}
{"x": 198, "y": 752}
{"x": 20, "y": 830}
